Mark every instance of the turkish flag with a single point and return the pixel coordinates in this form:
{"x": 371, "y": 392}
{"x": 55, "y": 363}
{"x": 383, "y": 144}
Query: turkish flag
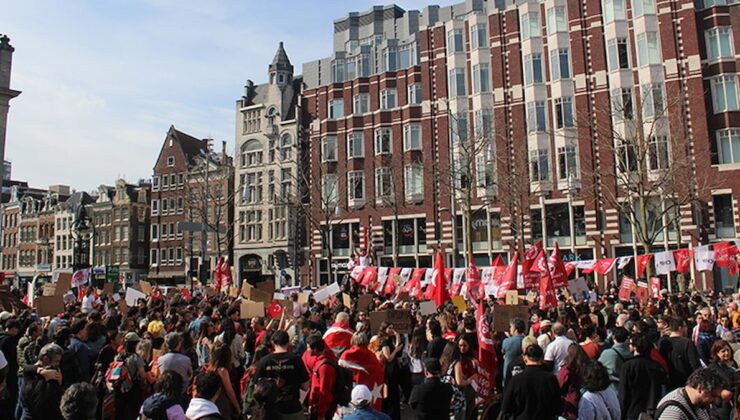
{"x": 275, "y": 309}
{"x": 508, "y": 281}
{"x": 625, "y": 289}
{"x": 366, "y": 370}
{"x": 486, "y": 353}
{"x": 602, "y": 266}
{"x": 413, "y": 287}
{"x": 557, "y": 268}
{"x": 440, "y": 294}
{"x": 683, "y": 259}
{"x": 472, "y": 282}
{"x": 722, "y": 254}
{"x": 642, "y": 262}
{"x": 547, "y": 293}
{"x": 531, "y": 280}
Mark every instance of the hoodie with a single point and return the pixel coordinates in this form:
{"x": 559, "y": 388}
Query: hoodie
{"x": 161, "y": 407}
{"x": 201, "y": 408}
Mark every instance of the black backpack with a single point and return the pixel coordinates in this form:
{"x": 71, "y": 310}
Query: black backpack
{"x": 342, "y": 384}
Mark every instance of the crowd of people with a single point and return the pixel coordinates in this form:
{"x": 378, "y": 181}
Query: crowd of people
{"x": 195, "y": 357}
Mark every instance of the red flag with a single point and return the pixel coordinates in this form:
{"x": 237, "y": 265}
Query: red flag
{"x": 413, "y": 287}
{"x": 602, "y": 266}
{"x": 547, "y": 293}
{"x": 448, "y": 274}
{"x": 508, "y": 281}
{"x": 557, "y": 269}
{"x": 366, "y": 370}
{"x": 275, "y": 309}
{"x": 569, "y": 267}
{"x": 531, "y": 280}
{"x": 655, "y": 287}
{"x": 732, "y": 268}
{"x": 368, "y": 276}
{"x": 642, "y": 262}
{"x": 226, "y": 279}
{"x": 683, "y": 259}
{"x": 472, "y": 282}
{"x": 625, "y": 290}
{"x": 498, "y": 262}
{"x": 185, "y": 293}
{"x": 486, "y": 353}
{"x": 440, "y": 294}
{"x": 390, "y": 284}
{"x": 642, "y": 292}
{"x": 81, "y": 293}
{"x": 722, "y": 254}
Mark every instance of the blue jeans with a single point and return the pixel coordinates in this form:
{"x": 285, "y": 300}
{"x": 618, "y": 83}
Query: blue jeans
{"x": 20, "y": 411}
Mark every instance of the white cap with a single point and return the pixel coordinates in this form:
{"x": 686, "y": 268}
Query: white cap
{"x": 361, "y": 394}
{"x": 5, "y": 315}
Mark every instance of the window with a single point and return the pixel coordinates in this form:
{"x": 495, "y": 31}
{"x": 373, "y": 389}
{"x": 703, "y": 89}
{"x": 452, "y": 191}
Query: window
{"x": 412, "y": 137}
{"x": 455, "y": 41}
{"x": 626, "y": 158}
{"x": 622, "y": 103}
{"x": 330, "y": 188}
{"x": 652, "y": 100}
{"x": 560, "y": 64}
{"x": 556, "y": 21}
{"x": 178, "y": 255}
{"x": 361, "y": 103}
{"x": 614, "y": 10}
{"x": 530, "y": 25}
{"x": 408, "y": 56}
{"x": 539, "y": 165}
{"x": 729, "y": 146}
{"x": 567, "y": 162}
{"x": 254, "y": 225}
{"x": 286, "y": 144}
{"x": 478, "y": 36}
{"x": 719, "y": 43}
{"x": 382, "y": 141}
{"x": 481, "y": 78}
{"x": 643, "y": 7}
{"x": 413, "y": 181}
{"x": 647, "y": 49}
{"x": 329, "y": 149}
{"x": 390, "y": 59}
{"x": 618, "y": 55}
{"x": 172, "y": 230}
{"x": 536, "y": 116}
{"x": 532, "y": 68}
{"x": 658, "y": 153}
{"x": 165, "y": 182}
{"x": 155, "y": 207}
{"x": 486, "y": 167}
{"x": 388, "y": 98}
{"x": 155, "y": 232}
{"x": 253, "y": 188}
{"x": 724, "y": 93}
{"x": 724, "y": 216}
{"x": 153, "y": 257}
{"x": 383, "y": 183}
{"x": 337, "y": 70}
{"x": 163, "y": 231}
{"x": 457, "y": 82}
{"x": 484, "y": 123}
{"x": 165, "y": 207}
{"x": 356, "y": 185}
{"x": 336, "y": 108}
{"x": 414, "y": 93}
{"x": 563, "y": 112}
{"x": 251, "y": 154}
{"x": 155, "y": 183}
{"x": 170, "y": 161}
{"x": 354, "y": 145}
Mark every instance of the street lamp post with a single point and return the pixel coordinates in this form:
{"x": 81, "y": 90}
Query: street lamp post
{"x": 83, "y": 232}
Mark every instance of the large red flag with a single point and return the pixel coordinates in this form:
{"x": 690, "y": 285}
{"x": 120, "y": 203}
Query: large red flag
{"x": 508, "y": 281}
{"x": 366, "y": 370}
{"x": 486, "y": 353}
{"x": 557, "y": 269}
{"x": 440, "y": 294}
{"x": 472, "y": 282}
{"x": 531, "y": 279}
{"x": 413, "y": 287}
{"x": 498, "y": 262}
{"x": 683, "y": 259}
{"x": 390, "y": 284}
{"x": 642, "y": 262}
{"x": 625, "y": 289}
{"x": 722, "y": 254}
{"x": 602, "y": 266}
{"x": 547, "y": 293}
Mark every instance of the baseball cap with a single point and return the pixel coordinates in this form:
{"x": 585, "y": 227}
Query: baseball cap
{"x": 131, "y": 336}
{"x": 361, "y": 394}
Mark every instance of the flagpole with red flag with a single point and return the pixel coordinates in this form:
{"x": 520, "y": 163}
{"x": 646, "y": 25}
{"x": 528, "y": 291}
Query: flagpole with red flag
{"x": 440, "y": 293}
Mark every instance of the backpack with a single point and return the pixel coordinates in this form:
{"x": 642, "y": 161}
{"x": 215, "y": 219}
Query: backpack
{"x": 117, "y": 378}
{"x": 342, "y": 384}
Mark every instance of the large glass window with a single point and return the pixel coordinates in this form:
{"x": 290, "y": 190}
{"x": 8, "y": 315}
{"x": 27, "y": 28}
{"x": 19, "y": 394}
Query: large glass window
{"x": 652, "y": 100}
{"x": 413, "y": 180}
{"x": 486, "y": 167}
{"x": 659, "y": 152}
{"x": 556, "y": 20}
{"x": 648, "y": 51}
{"x": 643, "y": 7}
{"x": 567, "y": 162}
{"x": 481, "y": 78}
{"x": 724, "y": 93}
{"x": 388, "y": 98}
{"x": 383, "y": 183}
{"x": 557, "y": 222}
{"x": 455, "y": 42}
{"x": 531, "y": 25}
{"x": 478, "y": 36}
{"x": 533, "y": 68}
{"x": 330, "y": 188}
{"x": 336, "y": 108}
{"x": 626, "y": 158}
{"x": 412, "y": 137}
{"x": 613, "y": 10}
{"x": 337, "y": 70}
{"x": 361, "y": 103}
{"x": 457, "y": 82}
{"x": 536, "y": 120}
{"x": 329, "y": 149}
{"x": 383, "y": 141}
{"x": 354, "y": 145}
{"x": 728, "y": 146}
{"x": 484, "y": 123}
{"x": 724, "y": 216}
{"x": 251, "y": 156}
{"x": 618, "y": 54}
{"x": 390, "y": 59}
{"x": 414, "y": 93}
{"x": 622, "y": 103}
{"x": 560, "y": 64}
{"x": 719, "y": 42}
{"x": 564, "y": 112}
{"x": 356, "y": 185}
{"x": 539, "y": 166}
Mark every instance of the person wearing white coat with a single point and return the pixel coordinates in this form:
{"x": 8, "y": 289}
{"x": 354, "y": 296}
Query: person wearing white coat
{"x": 600, "y": 402}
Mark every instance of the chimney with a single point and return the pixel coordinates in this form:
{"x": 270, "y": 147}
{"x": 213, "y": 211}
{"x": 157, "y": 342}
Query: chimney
{"x": 6, "y": 60}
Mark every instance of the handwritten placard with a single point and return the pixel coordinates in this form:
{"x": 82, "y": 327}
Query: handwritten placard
{"x": 399, "y": 318}
{"x": 503, "y": 314}
{"x": 250, "y": 309}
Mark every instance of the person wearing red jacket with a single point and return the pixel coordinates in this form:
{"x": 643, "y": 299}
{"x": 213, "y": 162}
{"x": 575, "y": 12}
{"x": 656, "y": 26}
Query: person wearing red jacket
{"x": 323, "y": 376}
{"x": 339, "y": 335}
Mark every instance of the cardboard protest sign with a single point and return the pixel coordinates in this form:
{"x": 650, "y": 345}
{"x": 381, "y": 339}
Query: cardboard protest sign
{"x": 49, "y": 305}
{"x": 502, "y": 314}
{"x": 512, "y": 297}
{"x": 346, "y": 300}
{"x": 459, "y": 303}
{"x": 427, "y": 307}
{"x": 266, "y": 286}
{"x": 145, "y": 287}
{"x": 400, "y": 318}
{"x": 327, "y": 292}
{"x": 249, "y": 309}
{"x": 303, "y": 298}
{"x": 364, "y": 301}
{"x": 246, "y": 289}
{"x": 258, "y": 295}
{"x": 133, "y": 296}
{"x": 578, "y": 288}
{"x": 288, "y": 305}
{"x": 64, "y": 283}
{"x": 50, "y": 289}
{"x": 108, "y": 289}
{"x": 233, "y": 292}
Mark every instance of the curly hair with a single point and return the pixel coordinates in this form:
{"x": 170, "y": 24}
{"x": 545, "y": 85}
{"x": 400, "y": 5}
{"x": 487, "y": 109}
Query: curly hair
{"x": 595, "y": 377}
{"x": 79, "y": 402}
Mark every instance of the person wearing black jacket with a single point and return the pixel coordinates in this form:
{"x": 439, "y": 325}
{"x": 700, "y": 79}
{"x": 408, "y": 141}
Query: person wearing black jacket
{"x": 641, "y": 380}
{"x": 679, "y": 353}
{"x": 534, "y": 393}
{"x": 42, "y": 385}
{"x": 436, "y": 342}
{"x": 431, "y": 399}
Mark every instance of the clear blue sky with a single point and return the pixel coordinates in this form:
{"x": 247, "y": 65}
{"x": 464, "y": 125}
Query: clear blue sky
{"x": 102, "y": 81}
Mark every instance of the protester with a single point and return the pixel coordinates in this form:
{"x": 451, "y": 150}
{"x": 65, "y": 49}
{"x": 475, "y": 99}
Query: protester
{"x": 165, "y": 403}
{"x": 557, "y": 350}
{"x": 175, "y": 361}
{"x": 599, "y": 402}
{"x": 365, "y": 366}
{"x": 692, "y": 402}
{"x": 570, "y": 379}
{"x": 339, "y": 335}
{"x": 323, "y": 376}
{"x": 641, "y": 380}
{"x": 431, "y": 399}
{"x": 512, "y": 346}
{"x": 79, "y": 402}
{"x": 227, "y": 402}
{"x": 289, "y": 372}
{"x": 129, "y": 401}
{"x": 362, "y": 401}
{"x": 534, "y": 393}
{"x": 614, "y": 357}
{"x": 42, "y": 389}
{"x": 208, "y": 386}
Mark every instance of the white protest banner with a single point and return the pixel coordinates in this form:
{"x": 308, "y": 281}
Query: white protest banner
{"x": 458, "y": 274}
{"x": 406, "y": 274}
{"x": 133, "y": 296}
{"x": 578, "y": 288}
{"x": 664, "y": 262}
{"x": 327, "y": 292}
{"x": 704, "y": 258}
{"x": 383, "y": 274}
{"x": 427, "y": 307}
